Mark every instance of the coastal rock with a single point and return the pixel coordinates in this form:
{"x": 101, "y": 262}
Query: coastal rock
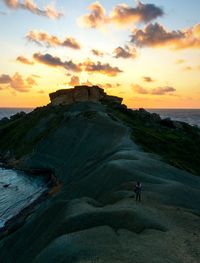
{"x": 93, "y": 217}
{"x": 81, "y": 94}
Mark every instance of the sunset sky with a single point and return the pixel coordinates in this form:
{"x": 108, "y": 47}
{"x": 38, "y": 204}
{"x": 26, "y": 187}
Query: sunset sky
{"x": 147, "y": 52}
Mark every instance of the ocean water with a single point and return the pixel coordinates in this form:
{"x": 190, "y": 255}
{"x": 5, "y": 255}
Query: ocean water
{"x": 191, "y": 116}
{"x": 7, "y": 112}
{"x": 21, "y": 190}
{"x": 17, "y": 191}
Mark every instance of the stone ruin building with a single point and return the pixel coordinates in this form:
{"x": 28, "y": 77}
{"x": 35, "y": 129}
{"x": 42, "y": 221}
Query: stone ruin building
{"x": 80, "y": 94}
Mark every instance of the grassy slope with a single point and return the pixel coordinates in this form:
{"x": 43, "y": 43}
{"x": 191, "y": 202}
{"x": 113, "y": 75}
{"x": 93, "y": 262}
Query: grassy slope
{"x": 15, "y": 134}
{"x": 178, "y": 146}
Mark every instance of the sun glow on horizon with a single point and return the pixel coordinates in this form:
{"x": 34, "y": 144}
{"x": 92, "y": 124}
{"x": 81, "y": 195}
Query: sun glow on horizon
{"x": 150, "y": 55}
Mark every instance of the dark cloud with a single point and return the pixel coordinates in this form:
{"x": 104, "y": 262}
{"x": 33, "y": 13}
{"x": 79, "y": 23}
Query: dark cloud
{"x": 49, "y": 11}
{"x": 17, "y": 82}
{"x": 24, "y": 60}
{"x": 122, "y": 14}
{"x": 155, "y": 35}
{"x": 88, "y": 65}
{"x": 126, "y": 52}
{"x": 43, "y": 38}
{"x": 98, "y": 67}
{"x": 97, "y": 52}
{"x": 49, "y": 60}
{"x": 4, "y": 79}
{"x": 155, "y": 91}
{"x": 147, "y": 79}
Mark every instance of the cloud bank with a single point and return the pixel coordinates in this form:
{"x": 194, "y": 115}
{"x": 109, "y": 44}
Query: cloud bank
{"x": 88, "y": 65}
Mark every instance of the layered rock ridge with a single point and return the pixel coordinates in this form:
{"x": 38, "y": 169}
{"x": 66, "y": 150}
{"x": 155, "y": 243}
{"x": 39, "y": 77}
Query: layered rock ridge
{"x": 81, "y": 94}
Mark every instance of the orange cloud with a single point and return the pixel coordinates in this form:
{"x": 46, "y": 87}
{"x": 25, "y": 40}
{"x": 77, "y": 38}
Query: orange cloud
{"x": 98, "y": 67}
{"x": 96, "y": 18}
{"x": 97, "y": 52}
{"x": 17, "y": 82}
{"x": 155, "y": 35}
{"x": 147, "y": 79}
{"x": 74, "y": 81}
{"x": 125, "y": 52}
{"x": 49, "y": 11}
{"x": 156, "y": 91}
{"x": 24, "y": 60}
{"x": 109, "y": 85}
{"x": 122, "y": 14}
{"x": 43, "y": 38}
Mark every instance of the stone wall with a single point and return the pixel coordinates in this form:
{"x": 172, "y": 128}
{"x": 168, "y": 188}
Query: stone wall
{"x": 80, "y": 94}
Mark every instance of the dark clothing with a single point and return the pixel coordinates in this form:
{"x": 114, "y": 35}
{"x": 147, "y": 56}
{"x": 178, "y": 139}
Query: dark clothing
{"x": 138, "y": 191}
{"x": 138, "y": 197}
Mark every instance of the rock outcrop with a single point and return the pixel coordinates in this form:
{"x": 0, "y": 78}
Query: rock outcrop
{"x": 81, "y": 94}
{"x": 94, "y": 216}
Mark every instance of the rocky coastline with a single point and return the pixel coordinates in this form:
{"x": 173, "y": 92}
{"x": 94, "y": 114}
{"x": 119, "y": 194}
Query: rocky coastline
{"x": 93, "y": 153}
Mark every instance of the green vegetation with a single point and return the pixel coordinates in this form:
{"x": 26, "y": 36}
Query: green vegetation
{"x": 177, "y": 142}
{"x": 21, "y": 134}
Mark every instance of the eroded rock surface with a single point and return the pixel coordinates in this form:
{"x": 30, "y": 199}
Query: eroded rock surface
{"x": 94, "y": 217}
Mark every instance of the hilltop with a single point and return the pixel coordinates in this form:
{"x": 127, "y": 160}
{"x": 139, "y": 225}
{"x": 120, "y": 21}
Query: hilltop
{"x": 97, "y": 151}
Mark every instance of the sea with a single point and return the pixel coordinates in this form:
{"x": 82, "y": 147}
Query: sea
{"x": 191, "y": 116}
{"x": 17, "y": 190}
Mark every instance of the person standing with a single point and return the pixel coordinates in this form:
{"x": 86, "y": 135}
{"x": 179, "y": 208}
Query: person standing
{"x": 138, "y": 191}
